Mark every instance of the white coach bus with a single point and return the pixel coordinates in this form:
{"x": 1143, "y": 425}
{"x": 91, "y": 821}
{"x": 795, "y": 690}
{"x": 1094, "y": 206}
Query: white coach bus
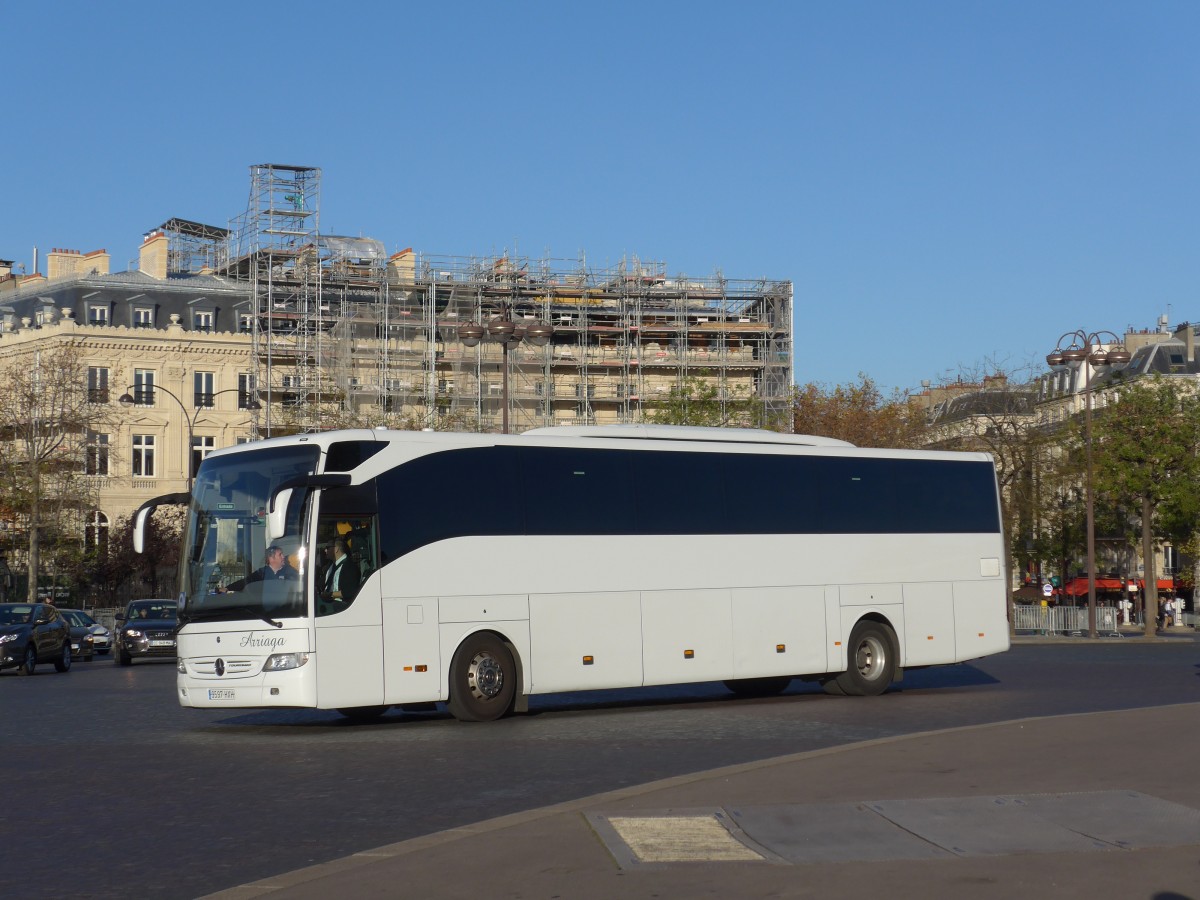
{"x": 487, "y": 569}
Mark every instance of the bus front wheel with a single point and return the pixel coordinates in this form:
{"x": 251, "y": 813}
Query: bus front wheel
{"x": 483, "y": 679}
{"x": 870, "y": 662}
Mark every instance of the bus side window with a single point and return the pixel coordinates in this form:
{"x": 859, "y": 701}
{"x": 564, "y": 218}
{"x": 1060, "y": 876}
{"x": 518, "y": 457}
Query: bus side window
{"x": 358, "y": 535}
{"x": 360, "y": 546}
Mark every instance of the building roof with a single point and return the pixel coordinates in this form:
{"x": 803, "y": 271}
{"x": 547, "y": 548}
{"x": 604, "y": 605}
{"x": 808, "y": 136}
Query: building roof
{"x": 120, "y": 293}
{"x": 1008, "y": 401}
{"x": 1169, "y": 357}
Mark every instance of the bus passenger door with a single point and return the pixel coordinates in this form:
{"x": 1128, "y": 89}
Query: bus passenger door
{"x": 349, "y": 614}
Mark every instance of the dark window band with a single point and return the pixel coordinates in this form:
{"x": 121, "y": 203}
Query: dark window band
{"x": 567, "y": 491}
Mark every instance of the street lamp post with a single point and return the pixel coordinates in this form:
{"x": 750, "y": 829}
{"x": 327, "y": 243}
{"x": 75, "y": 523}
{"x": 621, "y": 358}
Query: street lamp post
{"x": 127, "y": 399}
{"x": 504, "y": 331}
{"x": 1087, "y": 349}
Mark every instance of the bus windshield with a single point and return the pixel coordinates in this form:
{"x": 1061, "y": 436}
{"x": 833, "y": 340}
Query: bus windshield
{"x": 229, "y": 571}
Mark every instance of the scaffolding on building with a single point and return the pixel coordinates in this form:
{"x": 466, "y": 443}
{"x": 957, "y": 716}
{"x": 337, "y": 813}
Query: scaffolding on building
{"x": 624, "y": 337}
{"x": 193, "y": 247}
{"x": 274, "y": 247}
{"x": 344, "y": 335}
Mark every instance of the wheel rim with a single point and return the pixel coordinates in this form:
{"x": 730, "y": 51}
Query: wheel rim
{"x": 871, "y": 658}
{"x": 30, "y": 660}
{"x": 485, "y": 676}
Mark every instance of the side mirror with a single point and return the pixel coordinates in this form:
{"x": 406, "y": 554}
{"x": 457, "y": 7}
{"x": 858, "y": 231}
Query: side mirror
{"x": 139, "y": 529}
{"x": 282, "y": 497}
{"x": 142, "y": 516}
{"x": 277, "y": 515}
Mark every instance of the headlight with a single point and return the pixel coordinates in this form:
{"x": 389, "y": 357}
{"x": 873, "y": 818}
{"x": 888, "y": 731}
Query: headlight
{"x": 278, "y": 662}
{"x": 133, "y": 633}
{"x": 5, "y": 638}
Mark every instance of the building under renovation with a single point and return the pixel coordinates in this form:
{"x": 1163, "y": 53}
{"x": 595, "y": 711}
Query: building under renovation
{"x": 343, "y": 333}
{"x": 217, "y": 336}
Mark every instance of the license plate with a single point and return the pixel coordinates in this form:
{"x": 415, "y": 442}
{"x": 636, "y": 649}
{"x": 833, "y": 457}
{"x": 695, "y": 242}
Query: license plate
{"x": 162, "y": 643}
{"x": 220, "y": 695}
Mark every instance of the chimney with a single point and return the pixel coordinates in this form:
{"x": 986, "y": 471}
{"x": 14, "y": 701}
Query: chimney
{"x": 152, "y": 257}
{"x": 402, "y": 267}
{"x": 1187, "y": 332}
{"x": 97, "y": 262}
{"x": 60, "y": 262}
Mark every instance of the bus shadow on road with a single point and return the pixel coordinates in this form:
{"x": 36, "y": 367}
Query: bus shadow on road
{"x": 961, "y": 675}
{"x": 676, "y": 696}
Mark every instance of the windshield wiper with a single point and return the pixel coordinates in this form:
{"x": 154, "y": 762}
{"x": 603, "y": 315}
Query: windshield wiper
{"x": 260, "y": 614}
{"x": 220, "y": 611}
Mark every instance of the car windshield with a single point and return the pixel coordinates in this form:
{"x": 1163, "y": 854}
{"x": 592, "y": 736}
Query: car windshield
{"x": 151, "y": 609}
{"x": 229, "y": 571}
{"x": 15, "y": 613}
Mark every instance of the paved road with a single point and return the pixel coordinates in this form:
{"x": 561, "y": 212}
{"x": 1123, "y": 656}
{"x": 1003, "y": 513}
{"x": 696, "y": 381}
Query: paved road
{"x": 166, "y": 802}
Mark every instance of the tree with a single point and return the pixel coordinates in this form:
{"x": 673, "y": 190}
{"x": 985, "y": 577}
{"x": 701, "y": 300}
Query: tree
{"x": 104, "y": 569}
{"x": 702, "y": 401}
{"x": 109, "y": 567}
{"x": 997, "y": 417}
{"x": 858, "y": 413}
{"x": 45, "y": 417}
{"x": 1146, "y": 453}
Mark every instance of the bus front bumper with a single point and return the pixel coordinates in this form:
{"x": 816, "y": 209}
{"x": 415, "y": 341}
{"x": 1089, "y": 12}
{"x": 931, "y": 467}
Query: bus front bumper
{"x": 207, "y": 683}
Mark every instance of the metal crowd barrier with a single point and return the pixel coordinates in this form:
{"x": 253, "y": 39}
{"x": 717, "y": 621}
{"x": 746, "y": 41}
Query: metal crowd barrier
{"x": 1064, "y": 619}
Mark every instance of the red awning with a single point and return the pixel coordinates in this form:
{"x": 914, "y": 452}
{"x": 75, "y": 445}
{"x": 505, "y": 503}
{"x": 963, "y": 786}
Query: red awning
{"x": 1078, "y": 587}
{"x": 1164, "y": 584}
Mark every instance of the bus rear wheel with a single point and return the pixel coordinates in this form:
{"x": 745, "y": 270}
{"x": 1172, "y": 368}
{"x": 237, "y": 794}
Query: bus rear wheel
{"x": 483, "y": 679}
{"x": 870, "y": 661}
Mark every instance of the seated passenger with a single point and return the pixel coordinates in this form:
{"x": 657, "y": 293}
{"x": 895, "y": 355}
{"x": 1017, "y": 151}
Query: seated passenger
{"x": 343, "y": 577}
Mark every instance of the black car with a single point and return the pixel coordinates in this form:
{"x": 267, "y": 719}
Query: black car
{"x": 146, "y": 630}
{"x": 32, "y": 633}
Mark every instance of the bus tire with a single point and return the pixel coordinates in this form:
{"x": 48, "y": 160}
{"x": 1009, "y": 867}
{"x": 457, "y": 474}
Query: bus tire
{"x": 759, "y": 687}
{"x": 870, "y": 660}
{"x": 483, "y": 679}
{"x": 830, "y": 686}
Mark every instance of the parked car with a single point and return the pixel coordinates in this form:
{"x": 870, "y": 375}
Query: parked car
{"x": 32, "y": 633}
{"x": 146, "y": 630}
{"x": 87, "y": 635}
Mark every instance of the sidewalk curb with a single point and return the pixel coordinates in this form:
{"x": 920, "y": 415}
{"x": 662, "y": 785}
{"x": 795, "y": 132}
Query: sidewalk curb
{"x": 365, "y": 858}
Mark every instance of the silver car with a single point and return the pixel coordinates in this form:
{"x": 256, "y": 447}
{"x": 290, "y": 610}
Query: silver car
{"x": 82, "y": 624}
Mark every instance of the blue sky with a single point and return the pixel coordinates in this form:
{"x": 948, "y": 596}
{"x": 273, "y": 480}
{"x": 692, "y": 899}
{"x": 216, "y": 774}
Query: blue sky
{"x": 950, "y": 185}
